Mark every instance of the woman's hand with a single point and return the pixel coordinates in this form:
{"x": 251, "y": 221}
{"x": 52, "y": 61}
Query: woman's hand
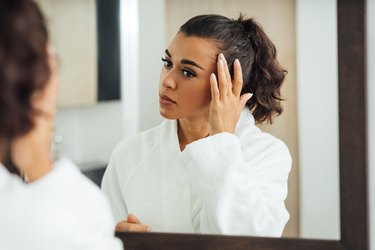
{"x": 132, "y": 224}
{"x": 227, "y": 102}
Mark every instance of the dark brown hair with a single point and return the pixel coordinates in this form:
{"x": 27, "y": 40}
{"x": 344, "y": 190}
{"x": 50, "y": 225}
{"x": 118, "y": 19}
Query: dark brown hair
{"x": 24, "y": 67}
{"x": 245, "y": 40}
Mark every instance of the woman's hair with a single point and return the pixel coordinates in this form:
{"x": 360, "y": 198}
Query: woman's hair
{"x": 245, "y": 40}
{"x": 24, "y": 67}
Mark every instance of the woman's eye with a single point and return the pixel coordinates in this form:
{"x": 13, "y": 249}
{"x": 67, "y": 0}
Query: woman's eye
{"x": 187, "y": 73}
{"x": 167, "y": 64}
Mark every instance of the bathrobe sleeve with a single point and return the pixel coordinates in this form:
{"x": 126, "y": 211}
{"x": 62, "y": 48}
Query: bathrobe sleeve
{"x": 111, "y": 186}
{"x": 240, "y": 186}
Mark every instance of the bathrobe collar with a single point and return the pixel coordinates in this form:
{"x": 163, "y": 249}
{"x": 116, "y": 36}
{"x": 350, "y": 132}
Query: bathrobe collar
{"x": 169, "y": 131}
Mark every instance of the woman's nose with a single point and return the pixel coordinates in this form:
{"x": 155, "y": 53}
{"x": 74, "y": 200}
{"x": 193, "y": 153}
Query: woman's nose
{"x": 168, "y": 80}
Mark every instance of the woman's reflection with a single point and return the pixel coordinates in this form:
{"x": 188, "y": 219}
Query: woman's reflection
{"x": 208, "y": 168}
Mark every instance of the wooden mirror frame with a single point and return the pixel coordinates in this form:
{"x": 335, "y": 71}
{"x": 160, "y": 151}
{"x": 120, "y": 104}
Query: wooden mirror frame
{"x": 351, "y": 19}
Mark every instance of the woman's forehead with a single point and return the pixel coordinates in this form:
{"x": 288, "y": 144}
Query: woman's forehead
{"x": 193, "y": 48}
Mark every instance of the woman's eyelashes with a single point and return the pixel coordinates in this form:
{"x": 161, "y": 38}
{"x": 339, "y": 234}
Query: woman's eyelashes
{"x": 185, "y": 72}
{"x": 167, "y": 63}
{"x": 188, "y": 73}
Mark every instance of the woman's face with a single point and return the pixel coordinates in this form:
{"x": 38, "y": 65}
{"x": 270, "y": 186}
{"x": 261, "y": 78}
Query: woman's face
{"x": 185, "y": 77}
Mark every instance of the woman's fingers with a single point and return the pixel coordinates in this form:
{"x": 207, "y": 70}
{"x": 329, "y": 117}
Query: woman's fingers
{"x": 227, "y": 102}
{"x": 226, "y": 85}
{"x": 244, "y": 98}
{"x": 132, "y": 224}
{"x": 132, "y": 227}
{"x": 215, "y": 94}
{"x": 237, "y": 78}
{"x": 226, "y": 71}
{"x": 223, "y": 85}
{"x": 133, "y": 219}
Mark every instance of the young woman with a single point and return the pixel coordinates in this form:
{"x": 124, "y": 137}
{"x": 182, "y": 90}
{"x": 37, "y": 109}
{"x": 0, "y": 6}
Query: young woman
{"x": 42, "y": 205}
{"x": 207, "y": 168}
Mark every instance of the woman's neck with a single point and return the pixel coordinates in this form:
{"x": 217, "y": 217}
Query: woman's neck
{"x": 31, "y": 152}
{"x": 192, "y": 129}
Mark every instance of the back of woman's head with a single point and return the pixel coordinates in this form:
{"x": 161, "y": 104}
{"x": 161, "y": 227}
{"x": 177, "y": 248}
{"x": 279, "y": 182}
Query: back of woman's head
{"x": 245, "y": 39}
{"x": 24, "y": 67}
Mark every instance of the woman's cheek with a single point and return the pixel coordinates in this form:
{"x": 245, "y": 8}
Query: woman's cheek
{"x": 203, "y": 98}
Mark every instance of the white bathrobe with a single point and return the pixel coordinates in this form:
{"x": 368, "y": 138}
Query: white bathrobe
{"x": 222, "y": 184}
{"x": 61, "y": 210}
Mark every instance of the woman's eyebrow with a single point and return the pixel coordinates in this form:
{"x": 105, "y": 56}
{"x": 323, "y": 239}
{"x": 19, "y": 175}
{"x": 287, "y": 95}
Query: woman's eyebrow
{"x": 185, "y": 61}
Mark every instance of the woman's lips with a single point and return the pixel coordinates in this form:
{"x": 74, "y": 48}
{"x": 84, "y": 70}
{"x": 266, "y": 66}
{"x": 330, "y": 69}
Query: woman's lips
{"x": 163, "y": 99}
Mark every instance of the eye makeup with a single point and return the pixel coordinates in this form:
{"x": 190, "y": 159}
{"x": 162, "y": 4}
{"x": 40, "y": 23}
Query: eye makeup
{"x": 185, "y": 61}
{"x": 186, "y": 72}
{"x": 167, "y": 63}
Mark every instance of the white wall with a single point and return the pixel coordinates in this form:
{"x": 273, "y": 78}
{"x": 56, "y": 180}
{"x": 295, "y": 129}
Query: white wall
{"x": 317, "y": 82}
{"x": 90, "y": 133}
{"x": 371, "y": 113}
{"x": 152, "y": 45}
{"x": 129, "y": 31}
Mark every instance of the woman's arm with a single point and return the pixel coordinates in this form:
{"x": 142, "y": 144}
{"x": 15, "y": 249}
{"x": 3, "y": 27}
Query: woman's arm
{"x": 112, "y": 188}
{"x": 239, "y": 190}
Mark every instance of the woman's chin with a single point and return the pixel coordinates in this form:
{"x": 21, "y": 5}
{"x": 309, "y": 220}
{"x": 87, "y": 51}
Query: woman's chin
{"x": 167, "y": 115}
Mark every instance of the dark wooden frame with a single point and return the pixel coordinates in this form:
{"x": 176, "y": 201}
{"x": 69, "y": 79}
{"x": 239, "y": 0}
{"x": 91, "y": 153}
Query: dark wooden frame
{"x": 108, "y": 30}
{"x": 351, "y": 17}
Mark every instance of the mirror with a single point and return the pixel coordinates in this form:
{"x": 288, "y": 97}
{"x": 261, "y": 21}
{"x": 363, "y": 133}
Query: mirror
{"x": 353, "y": 210}
{"x": 85, "y": 35}
{"x": 293, "y": 28}
{"x": 352, "y": 158}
